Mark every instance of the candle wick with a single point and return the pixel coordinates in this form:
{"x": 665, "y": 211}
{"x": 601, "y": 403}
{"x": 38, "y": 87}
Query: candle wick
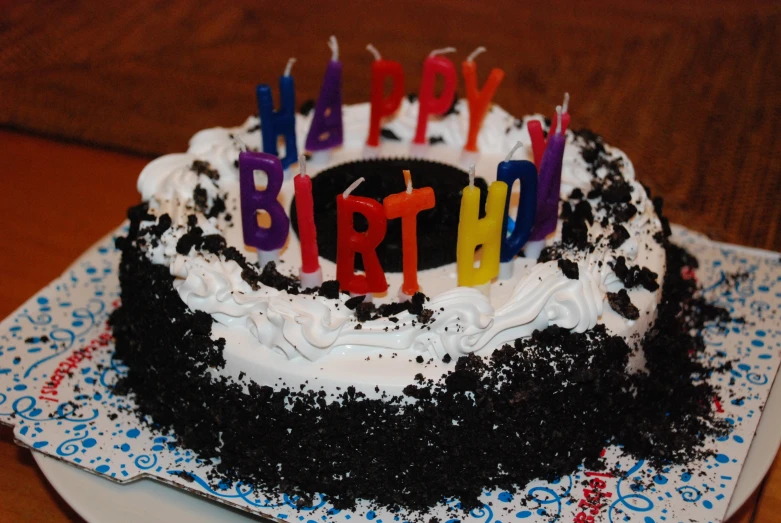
{"x": 471, "y": 57}
{"x": 408, "y": 181}
{"x": 565, "y": 105}
{"x": 373, "y": 50}
{"x": 302, "y": 164}
{"x": 558, "y": 119}
{"x": 352, "y": 187}
{"x": 289, "y": 66}
{"x": 512, "y": 151}
{"x": 442, "y": 51}
{"x": 334, "y": 45}
{"x": 472, "y": 175}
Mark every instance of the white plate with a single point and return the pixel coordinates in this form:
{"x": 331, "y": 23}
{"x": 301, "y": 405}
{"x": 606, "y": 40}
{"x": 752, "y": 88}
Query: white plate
{"x": 99, "y": 501}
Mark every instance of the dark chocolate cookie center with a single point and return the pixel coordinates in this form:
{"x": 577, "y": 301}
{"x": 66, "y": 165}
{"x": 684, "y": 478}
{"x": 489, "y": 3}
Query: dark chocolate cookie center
{"x": 437, "y": 227}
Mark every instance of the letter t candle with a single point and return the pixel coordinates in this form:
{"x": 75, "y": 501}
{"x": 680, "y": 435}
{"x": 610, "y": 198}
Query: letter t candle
{"x": 406, "y": 205}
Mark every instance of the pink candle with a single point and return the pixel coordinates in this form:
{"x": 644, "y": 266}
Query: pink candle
{"x": 307, "y": 233}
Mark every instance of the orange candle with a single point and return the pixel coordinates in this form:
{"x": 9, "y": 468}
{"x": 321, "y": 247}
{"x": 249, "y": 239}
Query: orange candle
{"x": 479, "y": 99}
{"x": 406, "y": 205}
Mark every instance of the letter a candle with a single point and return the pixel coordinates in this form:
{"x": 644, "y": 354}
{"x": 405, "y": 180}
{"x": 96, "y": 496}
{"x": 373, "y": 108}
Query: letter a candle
{"x": 382, "y": 106}
{"x": 311, "y": 273}
{"x": 406, "y": 205}
{"x": 429, "y": 104}
{"x": 538, "y": 138}
{"x": 479, "y": 99}
{"x": 350, "y": 242}
{"x": 267, "y": 240}
{"x": 549, "y": 185}
{"x": 326, "y": 129}
{"x": 474, "y": 231}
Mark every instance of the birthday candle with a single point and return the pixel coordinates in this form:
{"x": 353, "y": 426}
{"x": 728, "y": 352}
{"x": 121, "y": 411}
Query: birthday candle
{"x": 326, "y": 129}
{"x": 474, "y": 231}
{"x": 268, "y": 240}
{"x": 350, "y": 242}
{"x": 523, "y": 171}
{"x": 538, "y": 137}
{"x": 282, "y": 122}
{"x": 307, "y": 232}
{"x": 478, "y": 99}
{"x": 406, "y": 205}
{"x": 549, "y": 185}
{"x": 428, "y": 103}
{"x": 382, "y": 106}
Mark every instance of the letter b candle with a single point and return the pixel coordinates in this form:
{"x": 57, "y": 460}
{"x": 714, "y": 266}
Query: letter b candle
{"x": 270, "y": 239}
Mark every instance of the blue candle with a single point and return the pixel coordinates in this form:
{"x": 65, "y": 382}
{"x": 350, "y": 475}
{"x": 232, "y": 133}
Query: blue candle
{"x": 326, "y": 129}
{"x": 525, "y": 172}
{"x": 283, "y": 122}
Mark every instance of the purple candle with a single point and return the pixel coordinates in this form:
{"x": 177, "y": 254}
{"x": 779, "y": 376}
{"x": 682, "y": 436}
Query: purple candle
{"x": 267, "y": 240}
{"x": 549, "y": 184}
{"x": 326, "y": 129}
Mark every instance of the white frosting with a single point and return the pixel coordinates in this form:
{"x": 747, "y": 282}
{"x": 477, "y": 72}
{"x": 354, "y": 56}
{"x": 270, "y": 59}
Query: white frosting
{"x": 299, "y": 338}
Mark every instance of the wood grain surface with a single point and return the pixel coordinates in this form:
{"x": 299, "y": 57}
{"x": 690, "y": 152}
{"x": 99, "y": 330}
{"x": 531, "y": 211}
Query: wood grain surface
{"x": 691, "y": 92}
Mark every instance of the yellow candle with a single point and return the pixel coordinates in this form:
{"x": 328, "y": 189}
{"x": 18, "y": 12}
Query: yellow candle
{"x": 474, "y": 231}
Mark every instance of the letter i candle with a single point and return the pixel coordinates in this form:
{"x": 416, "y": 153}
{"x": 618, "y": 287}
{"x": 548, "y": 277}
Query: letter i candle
{"x": 406, "y": 205}
{"x": 474, "y": 231}
{"x": 267, "y": 240}
{"x": 311, "y": 272}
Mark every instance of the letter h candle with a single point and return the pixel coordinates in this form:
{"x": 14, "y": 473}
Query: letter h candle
{"x": 282, "y": 122}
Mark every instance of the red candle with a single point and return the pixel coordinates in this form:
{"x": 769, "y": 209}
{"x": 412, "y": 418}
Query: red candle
{"x": 406, "y": 205}
{"x": 428, "y": 102}
{"x": 478, "y": 99}
{"x": 381, "y": 105}
{"x": 539, "y": 143}
{"x": 307, "y": 233}
{"x": 350, "y": 242}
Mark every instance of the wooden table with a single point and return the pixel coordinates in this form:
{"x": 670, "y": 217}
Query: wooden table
{"x": 692, "y": 93}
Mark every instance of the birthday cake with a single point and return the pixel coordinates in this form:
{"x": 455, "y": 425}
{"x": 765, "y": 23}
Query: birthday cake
{"x": 301, "y": 379}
